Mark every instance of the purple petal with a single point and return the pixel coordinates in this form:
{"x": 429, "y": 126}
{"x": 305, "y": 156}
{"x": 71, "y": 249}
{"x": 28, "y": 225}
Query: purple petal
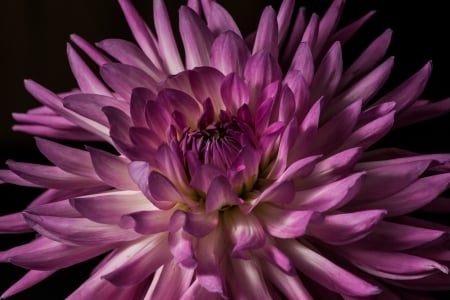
{"x": 78, "y": 231}
{"x": 393, "y": 265}
{"x": 51, "y": 177}
{"x": 109, "y": 207}
{"x": 143, "y": 258}
{"x": 69, "y": 159}
{"x": 325, "y": 272}
{"x": 46, "y": 255}
{"x": 303, "y": 61}
{"x": 245, "y": 232}
{"x": 28, "y": 280}
{"x": 96, "y": 55}
{"x": 284, "y": 18}
{"x": 328, "y": 23}
{"x": 295, "y": 36}
{"x": 147, "y": 222}
{"x": 141, "y": 32}
{"x": 229, "y": 53}
{"x": 220, "y": 194}
{"x": 346, "y": 228}
{"x": 346, "y": 33}
{"x": 129, "y": 54}
{"x": 13, "y": 223}
{"x": 220, "y": 21}
{"x": 196, "y": 37}
{"x": 368, "y": 59}
{"x": 330, "y": 196}
{"x": 328, "y": 74}
{"x": 124, "y": 78}
{"x": 283, "y": 223}
{"x": 167, "y": 45}
{"x": 311, "y": 31}
{"x": 248, "y": 273}
{"x": 407, "y": 92}
{"x": 267, "y": 33}
{"x": 234, "y": 92}
{"x": 86, "y": 79}
{"x": 164, "y": 194}
{"x": 112, "y": 169}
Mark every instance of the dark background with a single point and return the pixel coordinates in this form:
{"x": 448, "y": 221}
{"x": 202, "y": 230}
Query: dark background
{"x": 33, "y": 45}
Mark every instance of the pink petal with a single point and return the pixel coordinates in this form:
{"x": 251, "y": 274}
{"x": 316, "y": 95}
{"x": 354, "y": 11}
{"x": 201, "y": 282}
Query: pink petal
{"x": 141, "y": 32}
{"x": 78, "y": 231}
{"x": 112, "y": 169}
{"x": 124, "y": 78}
{"x": 13, "y": 223}
{"x": 164, "y": 194}
{"x": 295, "y": 36}
{"x": 167, "y": 45}
{"x": 234, "y": 92}
{"x": 229, "y": 53}
{"x": 329, "y": 196}
{"x": 28, "y": 280}
{"x": 86, "y": 79}
{"x": 283, "y": 223}
{"x": 368, "y": 59}
{"x": 328, "y": 74}
{"x": 347, "y": 32}
{"x": 220, "y": 193}
{"x": 284, "y": 17}
{"x": 196, "y": 37}
{"x": 245, "y": 232}
{"x": 310, "y": 34}
{"x": 51, "y": 177}
{"x": 129, "y": 54}
{"x": 96, "y": 55}
{"x": 325, "y": 272}
{"x": 147, "y": 222}
{"x": 267, "y": 33}
{"x": 303, "y": 61}
{"x": 329, "y": 23}
{"x": 406, "y": 93}
{"x": 345, "y": 228}
{"x": 46, "y": 255}
{"x": 145, "y": 258}
{"x": 69, "y": 159}
{"x": 220, "y": 21}
{"x": 248, "y": 273}
{"x": 109, "y": 207}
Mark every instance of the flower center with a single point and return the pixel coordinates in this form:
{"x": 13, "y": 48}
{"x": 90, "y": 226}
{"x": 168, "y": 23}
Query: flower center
{"x": 217, "y": 144}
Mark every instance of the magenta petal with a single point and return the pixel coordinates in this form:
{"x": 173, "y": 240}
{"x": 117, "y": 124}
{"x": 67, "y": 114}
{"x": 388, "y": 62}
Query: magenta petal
{"x": 13, "y": 223}
{"x": 220, "y": 21}
{"x": 368, "y": 59}
{"x": 163, "y": 284}
{"x": 290, "y": 285}
{"x": 45, "y": 254}
{"x": 234, "y": 92}
{"x": 113, "y": 170}
{"x": 345, "y": 33}
{"x": 78, "y": 231}
{"x": 328, "y": 74}
{"x": 167, "y": 45}
{"x": 146, "y": 257}
{"x": 220, "y": 194}
{"x": 51, "y": 177}
{"x": 196, "y": 37}
{"x": 95, "y": 54}
{"x": 389, "y": 236}
{"x": 180, "y": 244}
{"x": 393, "y": 265}
{"x": 325, "y": 272}
{"x": 129, "y": 54}
{"x": 198, "y": 225}
{"x": 164, "y": 194}
{"x": 267, "y": 33}
{"x": 346, "y": 228}
{"x": 329, "y": 196}
{"x": 303, "y": 61}
{"x": 86, "y": 79}
{"x": 147, "y": 222}
{"x": 229, "y": 53}
{"x": 203, "y": 176}
{"x": 109, "y": 207}
{"x": 248, "y": 273}
{"x": 28, "y": 280}
{"x": 329, "y": 22}
{"x": 141, "y": 32}
{"x": 69, "y": 159}
{"x": 245, "y": 232}
{"x": 284, "y": 18}
{"x": 283, "y": 223}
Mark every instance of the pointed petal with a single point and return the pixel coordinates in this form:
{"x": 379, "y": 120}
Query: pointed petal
{"x": 229, "y": 53}
{"x": 196, "y": 37}
{"x": 328, "y": 74}
{"x": 220, "y": 194}
{"x": 220, "y": 21}
{"x": 341, "y": 229}
{"x": 267, "y": 33}
{"x": 234, "y": 92}
{"x": 109, "y": 207}
{"x": 167, "y": 45}
{"x": 28, "y": 280}
{"x": 325, "y": 272}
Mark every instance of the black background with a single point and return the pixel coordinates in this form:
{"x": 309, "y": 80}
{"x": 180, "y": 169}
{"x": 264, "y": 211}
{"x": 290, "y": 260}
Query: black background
{"x": 33, "y": 42}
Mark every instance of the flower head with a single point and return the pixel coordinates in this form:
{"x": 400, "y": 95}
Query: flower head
{"x": 240, "y": 168}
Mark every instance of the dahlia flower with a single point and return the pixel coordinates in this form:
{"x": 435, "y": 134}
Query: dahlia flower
{"x": 233, "y": 167}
